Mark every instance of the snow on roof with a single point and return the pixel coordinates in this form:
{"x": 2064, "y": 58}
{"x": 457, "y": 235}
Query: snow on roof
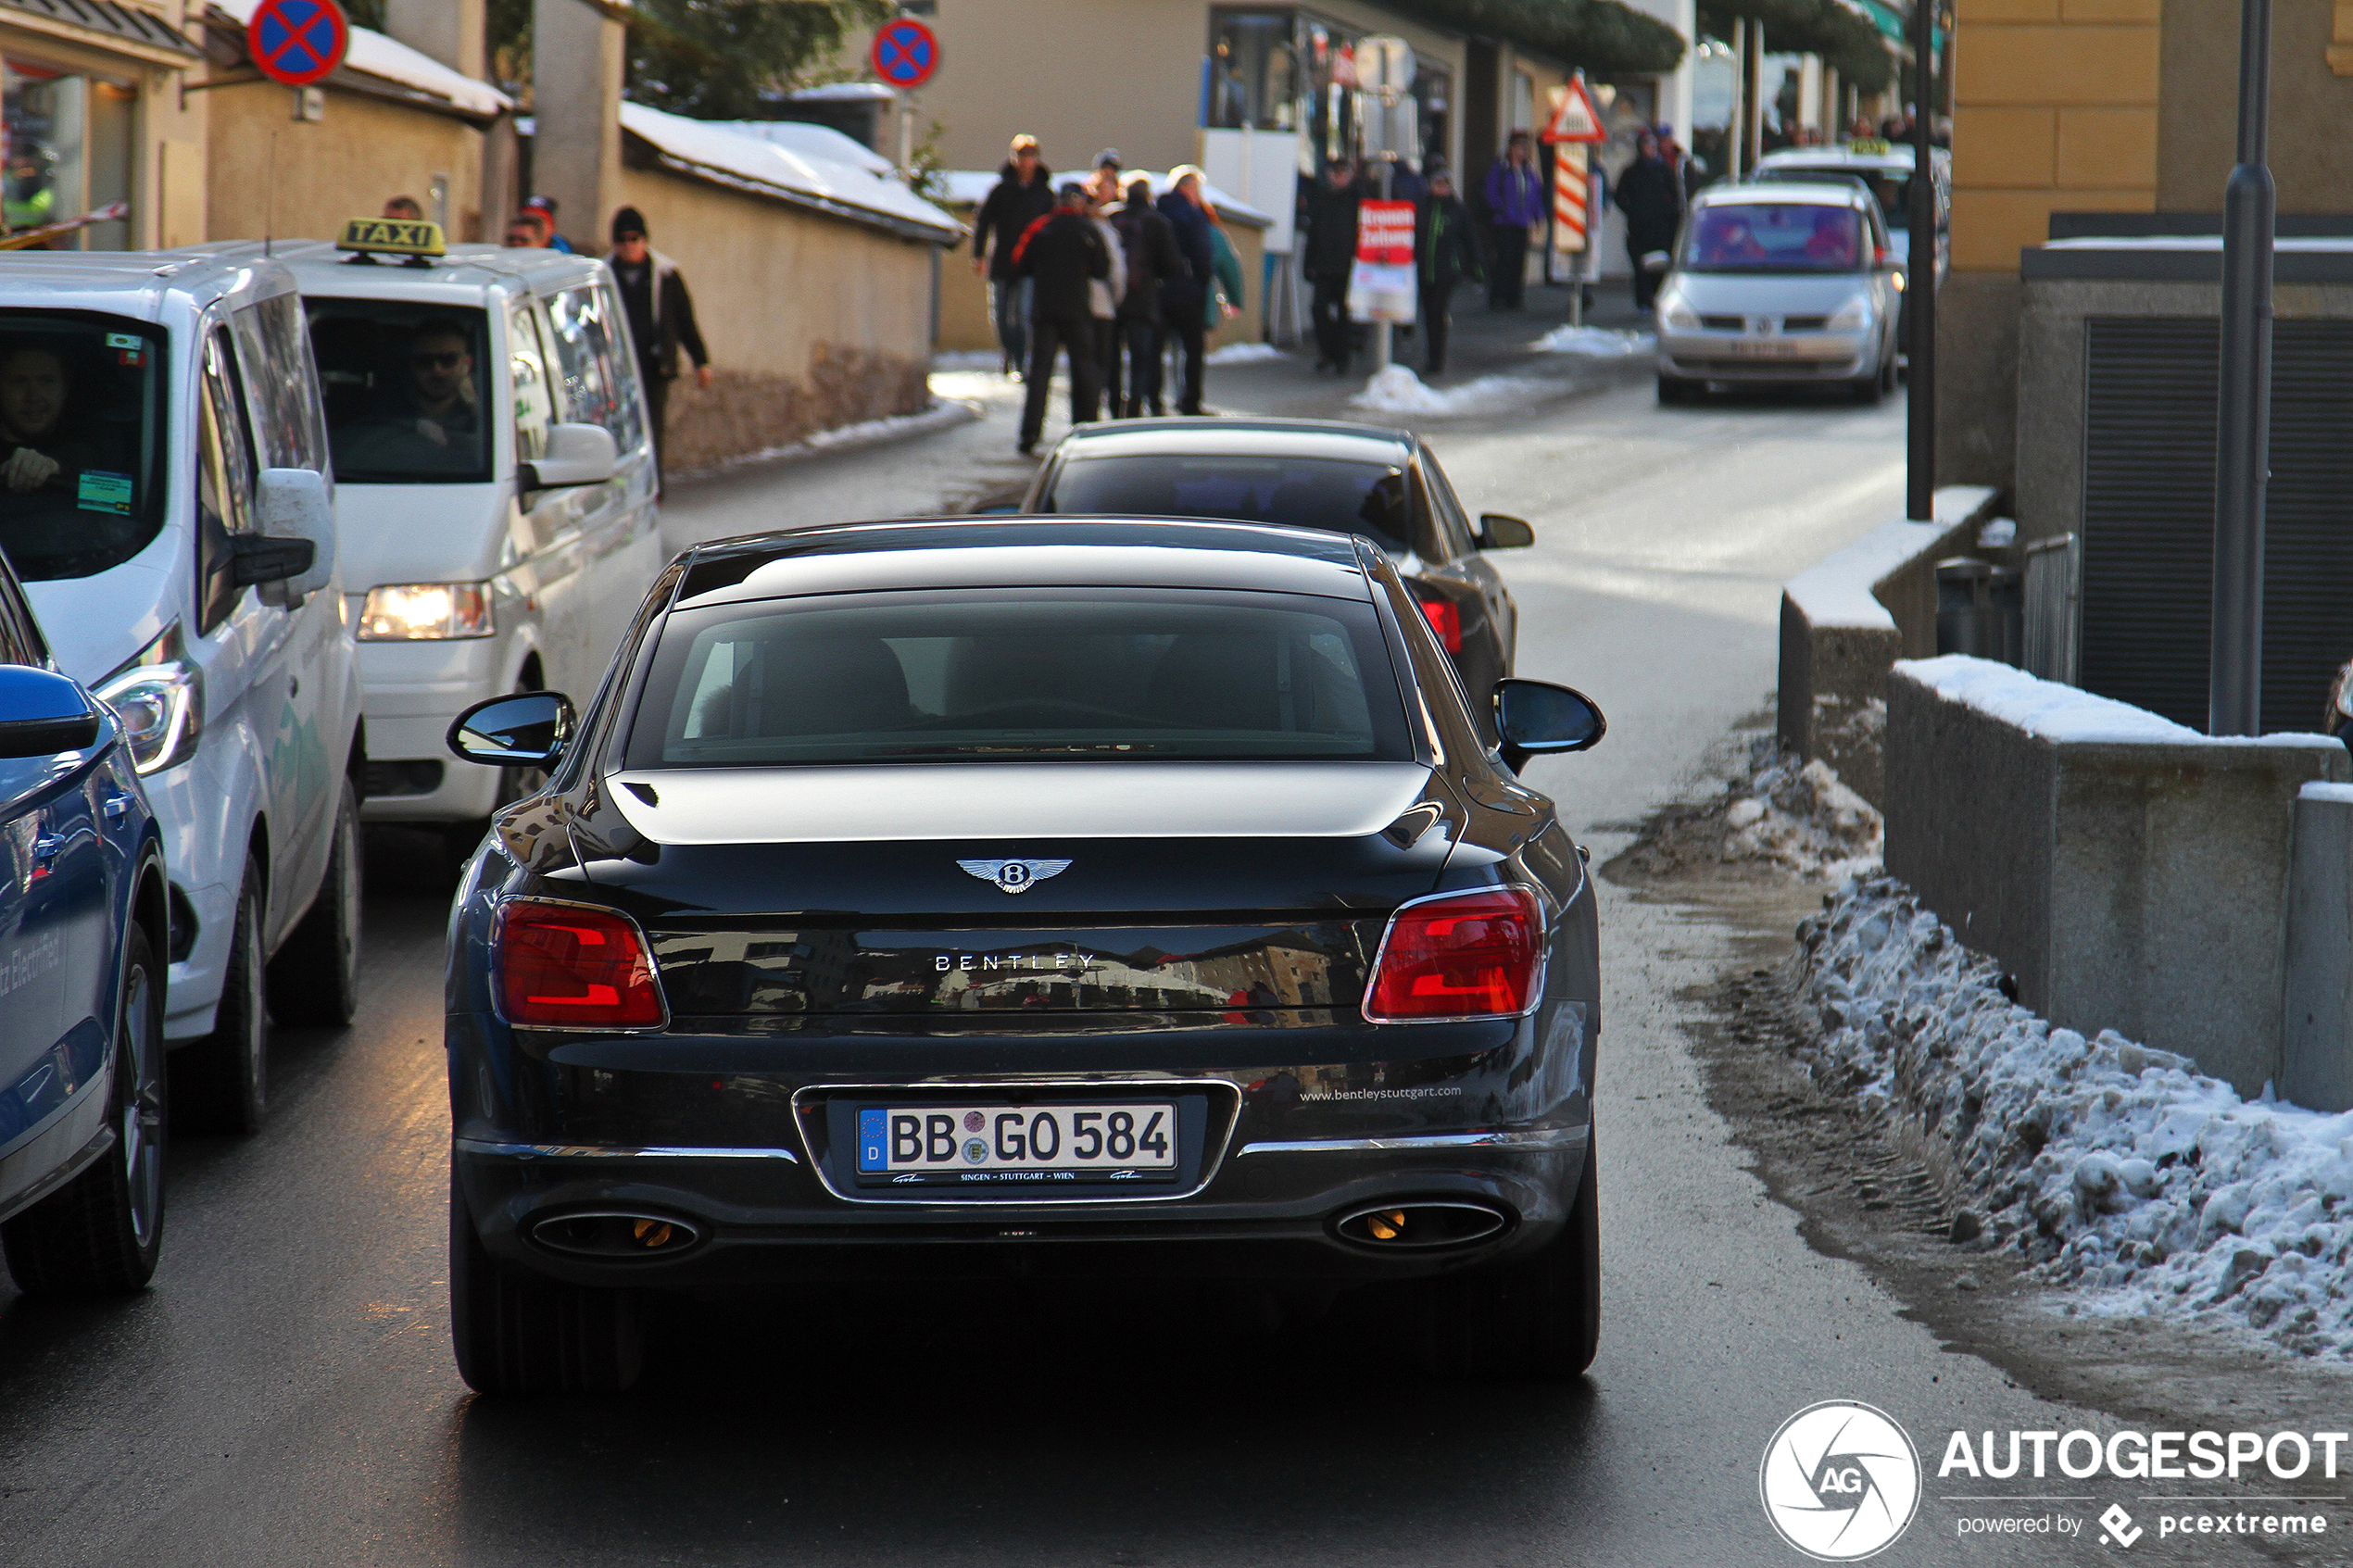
{"x": 727, "y": 156}
{"x": 373, "y": 53}
{"x": 969, "y": 187}
{"x": 845, "y": 93}
{"x": 815, "y": 142}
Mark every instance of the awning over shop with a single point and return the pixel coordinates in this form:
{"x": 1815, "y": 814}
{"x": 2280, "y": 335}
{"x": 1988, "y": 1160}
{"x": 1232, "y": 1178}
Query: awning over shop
{"x": 102, "y": 23}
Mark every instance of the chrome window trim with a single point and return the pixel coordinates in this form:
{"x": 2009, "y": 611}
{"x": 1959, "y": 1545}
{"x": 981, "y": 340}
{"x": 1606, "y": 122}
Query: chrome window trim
{"x": 1544, "y": 1138}
{"x": 612, "y": 1151}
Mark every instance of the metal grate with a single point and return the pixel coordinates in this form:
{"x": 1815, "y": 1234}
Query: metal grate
{"x": 2148, "y": 515}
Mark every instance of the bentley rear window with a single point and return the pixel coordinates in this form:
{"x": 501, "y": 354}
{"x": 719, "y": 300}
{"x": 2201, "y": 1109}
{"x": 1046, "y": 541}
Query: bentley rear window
{"x": 1015, "y": 674}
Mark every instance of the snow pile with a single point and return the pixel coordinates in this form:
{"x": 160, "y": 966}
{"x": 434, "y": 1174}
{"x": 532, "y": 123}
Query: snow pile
{"x": 1397, "y": 390}
{"x": 1595, "y": 343}
{"x": 2107, "y": 1165}
{"x": 1798, "y": 816}
{"x": 1244, "y": 354}
{"x": 968, "y": 359}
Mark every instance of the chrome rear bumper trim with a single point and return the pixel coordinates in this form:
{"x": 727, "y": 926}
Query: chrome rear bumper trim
{"x": 1549, "y": 1138}
{"x": 613, "y": 1151}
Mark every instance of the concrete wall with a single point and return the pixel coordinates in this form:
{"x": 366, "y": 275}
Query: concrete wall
{"x": 2129, "y": 873}
{"x": 342, "y": 166}
{"x": 1847, "y": 620}
{"x": 811, "y": 321}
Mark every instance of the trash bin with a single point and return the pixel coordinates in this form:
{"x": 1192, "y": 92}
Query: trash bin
{"x": 1980, "y": 609}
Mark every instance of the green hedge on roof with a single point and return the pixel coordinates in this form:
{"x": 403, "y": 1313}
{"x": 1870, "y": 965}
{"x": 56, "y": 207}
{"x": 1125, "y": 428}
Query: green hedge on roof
{"x": 1843, "y": 37}
{"x": 1602, "y": 37}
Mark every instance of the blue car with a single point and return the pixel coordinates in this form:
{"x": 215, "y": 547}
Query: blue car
{"x": 84, "y": 935}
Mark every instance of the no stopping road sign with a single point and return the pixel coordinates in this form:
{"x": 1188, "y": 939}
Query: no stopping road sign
{"x": 297, "y": 41}
{"x": 905, "y": 53}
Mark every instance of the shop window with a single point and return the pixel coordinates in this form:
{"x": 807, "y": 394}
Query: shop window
{"x": 1253, "y": 65}
{"x": 68, "y": 153}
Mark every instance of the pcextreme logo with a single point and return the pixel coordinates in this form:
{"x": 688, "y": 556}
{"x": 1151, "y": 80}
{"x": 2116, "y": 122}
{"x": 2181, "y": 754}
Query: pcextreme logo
{"x": 1840, "y": 1481}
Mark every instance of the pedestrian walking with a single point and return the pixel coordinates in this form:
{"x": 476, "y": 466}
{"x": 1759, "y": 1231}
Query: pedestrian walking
{"x": 662, "y": 318}
{"x": 1331, "y": 257}
{"x": 1060, "y": 255}
{"x": 1147, "y": 248}
{"x": 543, "y": 209}
{"x": 1023, "y": 194}
{"x": 1185, "y": 299}
{"x": 1515, "y": 207}
{"x": 1103, "y": 294}
{"x": 1445, "y": 252}
{"x": 1652, "y": 199}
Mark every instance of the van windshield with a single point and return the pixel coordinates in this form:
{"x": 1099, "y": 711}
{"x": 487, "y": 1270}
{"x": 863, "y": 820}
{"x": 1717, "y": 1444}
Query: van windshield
{"x": 1769, "y": 236}
{"x": 82, "y": 439}
{"x": 408, "y": 396}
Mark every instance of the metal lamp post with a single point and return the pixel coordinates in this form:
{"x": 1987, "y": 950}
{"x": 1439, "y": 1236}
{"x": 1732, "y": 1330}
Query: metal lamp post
{"x": 1919, "y": 492}
{"x": 2242, "y": 438}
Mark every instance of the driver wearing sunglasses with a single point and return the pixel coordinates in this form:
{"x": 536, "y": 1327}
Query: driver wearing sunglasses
{"x": 441, "y": 381}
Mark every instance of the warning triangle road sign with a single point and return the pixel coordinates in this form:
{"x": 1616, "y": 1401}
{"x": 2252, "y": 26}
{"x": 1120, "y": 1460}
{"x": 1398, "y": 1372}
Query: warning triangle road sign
{"x": 1576, "y": 119}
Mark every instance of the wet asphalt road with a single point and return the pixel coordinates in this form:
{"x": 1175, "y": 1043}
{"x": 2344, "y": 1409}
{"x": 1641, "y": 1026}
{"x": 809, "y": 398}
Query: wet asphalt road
{"x": 285, "y": 1393}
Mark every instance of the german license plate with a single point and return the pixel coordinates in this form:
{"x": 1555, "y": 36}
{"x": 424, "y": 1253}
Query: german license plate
{"x": 1771, "y": 348}
{"x": 1000, "y": 1142}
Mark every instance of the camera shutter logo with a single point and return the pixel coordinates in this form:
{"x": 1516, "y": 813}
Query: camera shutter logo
{"x": 1840, "y": 1481}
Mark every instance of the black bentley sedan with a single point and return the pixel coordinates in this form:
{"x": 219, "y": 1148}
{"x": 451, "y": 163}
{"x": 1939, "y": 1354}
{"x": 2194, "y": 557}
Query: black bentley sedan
{"x": 1380, "y": 484}
{"x": 1130, "y": 898}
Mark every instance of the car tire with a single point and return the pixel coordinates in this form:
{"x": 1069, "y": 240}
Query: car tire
{"x": 101, "y": 1234}
{"x": 222, "y": 1083}
{"x": 314, "y": 980}
{"x": 1678, "y": 389}
{"x": 1868, "y": 390}
{"x": 518, "y": 1336}
{"x": 1533, "y": 1319}
{"x": 1887, "y": 374}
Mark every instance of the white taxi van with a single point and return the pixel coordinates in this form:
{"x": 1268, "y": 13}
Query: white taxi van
{"x": 166, "y": 495}
{"x": 494, "y": 484}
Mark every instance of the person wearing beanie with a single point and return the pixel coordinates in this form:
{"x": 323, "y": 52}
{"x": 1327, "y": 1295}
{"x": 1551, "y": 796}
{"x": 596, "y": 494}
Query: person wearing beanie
{"x": 661, "y": 317}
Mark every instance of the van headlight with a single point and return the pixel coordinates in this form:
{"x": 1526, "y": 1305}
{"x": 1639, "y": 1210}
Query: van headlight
{"x": 159, "y": 698}
{"x": 1676, "y": 312}
{"x": 420, "y": 612}
{"x": 1851, "y": 316}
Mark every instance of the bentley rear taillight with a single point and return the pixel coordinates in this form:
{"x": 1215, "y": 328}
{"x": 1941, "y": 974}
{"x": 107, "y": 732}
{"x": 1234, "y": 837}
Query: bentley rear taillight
{"x": 1459, "y": 955}
{"x": 572, "y": 965}
{"x": 1446, "y": 621}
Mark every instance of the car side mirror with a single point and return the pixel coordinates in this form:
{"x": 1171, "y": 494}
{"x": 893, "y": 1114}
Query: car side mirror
{"x": 1537, "y": 719}
{"x": 296, "y": 509}
{"x": 575, "y": 455}
{"x": 42, "y": 713}
{"x": 1497, "y": 532}
{"x": 526, "y": 730}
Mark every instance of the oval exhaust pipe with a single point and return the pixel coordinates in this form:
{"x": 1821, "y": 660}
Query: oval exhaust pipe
{"x": 615, "y": 1233}
{"x": 1401, "y": 1226}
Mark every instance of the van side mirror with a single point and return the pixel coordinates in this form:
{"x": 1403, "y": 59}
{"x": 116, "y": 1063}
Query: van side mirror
{"x": 295, "y": 508}
{"x": 525, "y": 729}
{"x": 1537, "y": 719}
{"x": 575, "y": 455}
{"x": 42, "y": 713}
{"x": 1497, "y": 532}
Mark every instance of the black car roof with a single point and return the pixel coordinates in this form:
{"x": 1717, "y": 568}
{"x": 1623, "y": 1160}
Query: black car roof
{"x": 1025, "y": 552}
{"x": 1249, "y": 436}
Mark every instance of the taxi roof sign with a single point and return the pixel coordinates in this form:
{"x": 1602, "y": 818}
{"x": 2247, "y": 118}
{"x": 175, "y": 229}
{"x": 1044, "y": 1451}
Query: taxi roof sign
{"x": 414, "y": 238}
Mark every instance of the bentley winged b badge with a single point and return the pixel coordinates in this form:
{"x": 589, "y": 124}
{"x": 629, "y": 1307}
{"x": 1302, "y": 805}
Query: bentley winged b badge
{"x": 1014, "y": 876}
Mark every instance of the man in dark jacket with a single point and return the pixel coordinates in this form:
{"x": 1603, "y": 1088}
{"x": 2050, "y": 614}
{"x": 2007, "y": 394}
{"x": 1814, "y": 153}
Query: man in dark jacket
{"x": 1149, "y": 245}
{"x": 1331, "y": 256}
{"x": 1652, "y": 199}
{"x": 1184, "y": 299}
{"x": 661, "y": 317}
{"x": 1445, "y": 252}
{"x": 1514, "y": 196}
{"x": 1059, "y": 254}
{"x": 1023, "y": 194}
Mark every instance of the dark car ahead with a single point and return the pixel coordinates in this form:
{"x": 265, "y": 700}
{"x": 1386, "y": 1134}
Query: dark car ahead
{"x": 1379, "y": 484}
{"x": 1075, "y": 896}
{"x": 83, "y": 937}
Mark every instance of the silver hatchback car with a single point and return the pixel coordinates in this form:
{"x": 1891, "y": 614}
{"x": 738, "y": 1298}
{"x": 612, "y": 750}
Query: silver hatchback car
{"x": 1789, "y": 284}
